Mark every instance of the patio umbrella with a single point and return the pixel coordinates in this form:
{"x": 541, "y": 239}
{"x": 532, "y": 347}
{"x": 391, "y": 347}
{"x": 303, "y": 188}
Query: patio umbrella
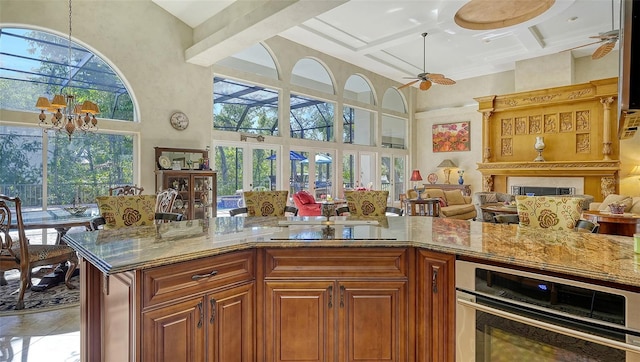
{"x": 293, "y": 156}
{"x": 320, "y": 159}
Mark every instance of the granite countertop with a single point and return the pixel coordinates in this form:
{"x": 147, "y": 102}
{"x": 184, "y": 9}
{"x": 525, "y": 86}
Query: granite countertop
{"x": 596, "y": 256}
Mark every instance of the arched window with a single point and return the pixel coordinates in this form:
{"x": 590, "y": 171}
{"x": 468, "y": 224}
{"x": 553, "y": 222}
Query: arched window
{"x": 309, "y": 73}
{"x": 253, "y": 60}
{"x": 36, "y": 63}
{"x": 393, "y": 101}
{"x": 358, "y": 89}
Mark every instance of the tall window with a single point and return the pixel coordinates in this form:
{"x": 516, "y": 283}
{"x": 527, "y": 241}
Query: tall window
{"x": 311, "y": 119}
{"x": 242, "y": 107}
{"x": 358, "y": 126}
{"x": 77, "y": 170}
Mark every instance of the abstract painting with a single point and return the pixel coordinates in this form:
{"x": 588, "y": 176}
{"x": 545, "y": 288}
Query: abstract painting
{"x": 451, "y": 137}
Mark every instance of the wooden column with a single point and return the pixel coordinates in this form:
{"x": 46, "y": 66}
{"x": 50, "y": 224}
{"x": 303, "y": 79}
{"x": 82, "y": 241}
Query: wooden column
{"x": 606, "y": 132}
{"x": 486, "y": 136}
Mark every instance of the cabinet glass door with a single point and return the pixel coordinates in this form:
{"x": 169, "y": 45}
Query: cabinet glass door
{"x": 202, "y": 196}
{"x": 180, "y": 183}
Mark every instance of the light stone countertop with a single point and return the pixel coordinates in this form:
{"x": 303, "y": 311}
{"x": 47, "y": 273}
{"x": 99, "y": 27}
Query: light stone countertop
{"x": 595, "y": 256}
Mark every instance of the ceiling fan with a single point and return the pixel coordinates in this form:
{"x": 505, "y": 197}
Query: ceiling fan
{"x": 608, "y": 40}
{"x": 427, "y": 79}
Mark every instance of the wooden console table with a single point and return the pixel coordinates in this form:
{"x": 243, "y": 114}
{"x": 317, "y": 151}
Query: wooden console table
{"x": 625, "y": 224}
{"x": 466, "y": 189}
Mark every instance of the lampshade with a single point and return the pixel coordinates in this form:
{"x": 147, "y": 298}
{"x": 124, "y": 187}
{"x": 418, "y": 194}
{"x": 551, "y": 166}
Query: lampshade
{"x": 447, "y": 163}
{"x": 415, "y": 175}
{"x": 43, "y": 103}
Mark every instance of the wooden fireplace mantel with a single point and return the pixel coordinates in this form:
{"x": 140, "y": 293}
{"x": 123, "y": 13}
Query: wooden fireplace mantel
{"x": 575, "y": 123}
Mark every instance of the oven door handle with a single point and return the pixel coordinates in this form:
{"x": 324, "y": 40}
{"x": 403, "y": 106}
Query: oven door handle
{"x": 466, "y": 302}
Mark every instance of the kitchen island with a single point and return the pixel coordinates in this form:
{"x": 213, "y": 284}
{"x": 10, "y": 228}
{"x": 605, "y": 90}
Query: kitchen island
{"x": 255, "y": 289}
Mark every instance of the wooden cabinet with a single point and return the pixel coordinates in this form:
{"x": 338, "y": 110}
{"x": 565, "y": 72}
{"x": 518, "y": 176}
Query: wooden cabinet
{"x": 436, "y": 307}
{"x": 336, "y": 305}
{"x": 196, "y": 186}
{"x": 465, "y": 189}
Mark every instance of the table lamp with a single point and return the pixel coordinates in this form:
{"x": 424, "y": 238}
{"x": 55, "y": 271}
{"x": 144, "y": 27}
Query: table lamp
{"x": 415, "y": 176}
{"x": 448, "y": 165}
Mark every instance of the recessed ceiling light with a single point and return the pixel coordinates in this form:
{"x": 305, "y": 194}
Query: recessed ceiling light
{"x": 572, "y": 19}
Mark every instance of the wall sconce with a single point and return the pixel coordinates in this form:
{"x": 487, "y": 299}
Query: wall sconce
{"x": 448, "y": 165}
{"x": 243, "y": 137}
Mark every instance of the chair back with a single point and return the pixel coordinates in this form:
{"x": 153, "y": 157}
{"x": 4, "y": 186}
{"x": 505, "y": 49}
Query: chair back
{"x": 12, "y": 256}
{"x": 265, "y": 203}
{"x": 587, "y": 226}
{"x": 367, "y": 203}
{"x": 121, "y": 211}
{"x": 165, "y": 200}
{"x": 238, "y": 211}
{"x": 549, "y": 212}
{"x": 125, "y": 190}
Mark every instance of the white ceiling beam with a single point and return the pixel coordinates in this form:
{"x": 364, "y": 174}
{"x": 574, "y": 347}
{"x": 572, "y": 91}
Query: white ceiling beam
{"x": 245, "y": 23}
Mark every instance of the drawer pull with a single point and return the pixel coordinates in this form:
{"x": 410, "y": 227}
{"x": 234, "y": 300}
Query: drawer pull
{"x": 203, "y": 276}
{"x": 342, "y": 296}
{"x": 201, "y": 315}
{"x": 330, "y": 296}
{"x": 434, "y": 281}
{"x": 213, "y": 311}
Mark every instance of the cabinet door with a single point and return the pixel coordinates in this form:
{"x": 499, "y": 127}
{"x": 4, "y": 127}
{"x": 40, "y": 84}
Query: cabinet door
{"x": 373, "y": 321}
{"x": 175, "y": 333}
{"x": 231, "y": 325}
{"x": 436, "y": 307}
{"x": 202, "y": 196}
{"x": 300, "y": 321}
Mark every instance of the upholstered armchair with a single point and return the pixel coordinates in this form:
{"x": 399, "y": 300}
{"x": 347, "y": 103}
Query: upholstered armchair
{"x": 367, "y": 203}
{"x": 481, "y": 198}
{"x": 265, "y": 203}
{"x": 306, "y": 204}
{"x": 549, "y": 212}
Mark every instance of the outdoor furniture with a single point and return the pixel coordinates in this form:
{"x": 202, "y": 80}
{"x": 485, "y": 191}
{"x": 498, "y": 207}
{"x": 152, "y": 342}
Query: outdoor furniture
{"x": 306, "y": 204}
{"x": 125, "y": 190}
{"x": 24, "y": 256}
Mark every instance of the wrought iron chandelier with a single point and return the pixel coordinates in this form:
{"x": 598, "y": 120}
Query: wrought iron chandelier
{"x": 78, "y": 116}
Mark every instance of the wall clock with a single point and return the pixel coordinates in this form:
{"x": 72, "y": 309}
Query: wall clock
{"x": 179, "y": 121}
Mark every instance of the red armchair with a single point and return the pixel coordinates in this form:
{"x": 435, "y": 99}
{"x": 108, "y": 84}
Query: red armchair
{"x": 306, "y": 204}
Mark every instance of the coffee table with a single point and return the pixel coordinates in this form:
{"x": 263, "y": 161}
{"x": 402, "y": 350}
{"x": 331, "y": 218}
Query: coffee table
{"x": 614, "y": 224}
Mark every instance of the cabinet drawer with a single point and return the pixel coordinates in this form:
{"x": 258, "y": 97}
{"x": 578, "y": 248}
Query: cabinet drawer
{"x": 197, "y": 276}
{"x": 343, "y": 262}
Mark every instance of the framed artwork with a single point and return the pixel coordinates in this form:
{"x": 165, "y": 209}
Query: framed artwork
{"x": 451, "y": 137}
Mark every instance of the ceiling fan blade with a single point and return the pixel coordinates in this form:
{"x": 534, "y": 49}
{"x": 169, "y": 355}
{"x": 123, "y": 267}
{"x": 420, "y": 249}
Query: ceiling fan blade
{"x": 605, "y": 36}
{"x": 443, "y": 81}
{"x": 425, "y": 85}
{"x": 435, "y": 75}
{"x": 408, "y": 84}
{"x": 582, "y": 46}
{"x": 603, "y": 50}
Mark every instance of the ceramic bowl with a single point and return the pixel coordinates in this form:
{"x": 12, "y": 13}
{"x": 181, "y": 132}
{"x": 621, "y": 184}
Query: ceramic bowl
{"x": 76, "y": 210}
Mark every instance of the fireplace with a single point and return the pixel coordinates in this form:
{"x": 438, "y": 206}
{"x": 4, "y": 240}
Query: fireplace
{"x": 542, "y": 191}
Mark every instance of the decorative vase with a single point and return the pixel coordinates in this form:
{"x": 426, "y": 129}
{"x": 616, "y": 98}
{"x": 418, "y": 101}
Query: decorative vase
{"x": 460, "y": 179}
{"x": 539, "y": 146}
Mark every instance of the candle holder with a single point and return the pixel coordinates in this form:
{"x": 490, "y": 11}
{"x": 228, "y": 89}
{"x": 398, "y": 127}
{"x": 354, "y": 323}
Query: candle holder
{"x": 328, "y": 210}
{"x": 539, "y": 146}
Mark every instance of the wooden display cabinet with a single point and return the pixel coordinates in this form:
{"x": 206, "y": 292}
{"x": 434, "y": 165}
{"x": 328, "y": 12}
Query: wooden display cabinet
{"x": 195, "y": 183}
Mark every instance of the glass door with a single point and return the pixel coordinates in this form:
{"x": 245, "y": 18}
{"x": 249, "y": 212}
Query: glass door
{"x": 312, "y": 171}
{"x": 392, "y": 174}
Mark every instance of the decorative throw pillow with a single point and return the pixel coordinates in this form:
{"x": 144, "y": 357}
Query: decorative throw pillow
{"x": 442, "y": 202}
{"x": 454, "y": 197}
{"x": 491, "y": 198}
{"x": 434, "y": 193}
{"x": 130, "y": 210}
{"x": 617, "y": 199}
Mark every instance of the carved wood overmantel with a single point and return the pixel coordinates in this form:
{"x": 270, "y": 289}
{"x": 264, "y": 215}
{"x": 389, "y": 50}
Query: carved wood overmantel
{"x": 575, "y": 123}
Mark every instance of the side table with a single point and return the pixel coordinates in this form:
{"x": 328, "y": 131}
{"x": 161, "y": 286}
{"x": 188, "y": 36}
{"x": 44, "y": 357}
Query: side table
{"x": 423, "y": 207}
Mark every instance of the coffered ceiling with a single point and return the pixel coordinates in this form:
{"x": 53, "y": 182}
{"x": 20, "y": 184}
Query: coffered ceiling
{"x": 385, "y": 36}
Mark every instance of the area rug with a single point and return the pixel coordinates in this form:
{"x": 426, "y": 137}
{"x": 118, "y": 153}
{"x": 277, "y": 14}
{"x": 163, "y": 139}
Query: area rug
{"x": 57, "y": 297}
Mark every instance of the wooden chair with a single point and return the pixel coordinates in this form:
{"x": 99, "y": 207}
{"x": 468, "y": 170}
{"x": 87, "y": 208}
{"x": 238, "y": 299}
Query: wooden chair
{"x": 98, "y": 221}
{"x": 165, "y": 200}
{"x": 587, "y": 226}
{"x": 266, "y": 203}
{"x": 23, "y": 256}
{"x": 125, "y": 190}
{"x": 243, "y": 210}
{"x": 367, "y": 203}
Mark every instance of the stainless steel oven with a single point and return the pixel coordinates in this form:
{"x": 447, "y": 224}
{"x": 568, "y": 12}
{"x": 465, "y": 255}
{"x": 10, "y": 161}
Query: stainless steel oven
{"x": 511, "y": 315}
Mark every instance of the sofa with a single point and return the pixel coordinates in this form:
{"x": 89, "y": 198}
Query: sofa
{"x": 453, "y": 204}
{"x": 632, "y": 204}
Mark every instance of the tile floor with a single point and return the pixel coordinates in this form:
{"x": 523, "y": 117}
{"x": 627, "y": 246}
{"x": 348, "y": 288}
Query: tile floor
{"x": 44, "y": 336}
